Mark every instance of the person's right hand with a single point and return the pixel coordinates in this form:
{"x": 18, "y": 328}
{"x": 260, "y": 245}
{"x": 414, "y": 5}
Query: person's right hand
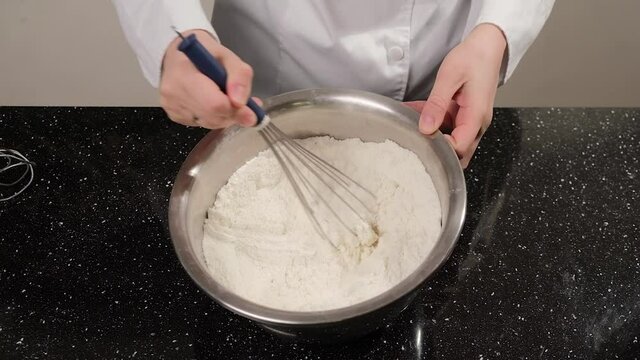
{"x": 191, "y": 98}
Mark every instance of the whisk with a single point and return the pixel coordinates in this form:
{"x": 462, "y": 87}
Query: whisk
{"x": 14, "y": 161}
{"x": 341, "y": 210}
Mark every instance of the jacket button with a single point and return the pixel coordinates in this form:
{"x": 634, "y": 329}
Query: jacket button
{"x": 395, "y": 53}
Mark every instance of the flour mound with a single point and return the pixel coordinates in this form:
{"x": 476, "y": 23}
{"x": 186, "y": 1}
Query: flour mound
{"x": 260, "y": 244}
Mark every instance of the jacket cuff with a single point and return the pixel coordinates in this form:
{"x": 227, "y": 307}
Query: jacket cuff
{"x": 520, "y": 22}
{"x": 149, "y": 28}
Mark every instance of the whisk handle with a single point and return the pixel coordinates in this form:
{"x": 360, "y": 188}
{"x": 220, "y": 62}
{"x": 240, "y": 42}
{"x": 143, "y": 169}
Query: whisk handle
{"x": 209, "y": 66}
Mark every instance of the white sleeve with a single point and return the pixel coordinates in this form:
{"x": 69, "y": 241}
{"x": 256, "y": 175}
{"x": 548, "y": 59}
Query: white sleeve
{"x": 520, "y": 21}
{"x": 148, "y": 27}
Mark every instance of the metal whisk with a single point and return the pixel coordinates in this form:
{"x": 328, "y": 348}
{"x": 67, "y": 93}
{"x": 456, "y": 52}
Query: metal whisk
{"x": 341, "y": 210}
{"x": 12, "y": 174}
{"x": 327, "y": 194}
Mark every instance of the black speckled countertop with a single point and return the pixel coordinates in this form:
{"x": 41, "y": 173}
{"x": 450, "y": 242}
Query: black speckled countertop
{"x": 547, "y": 266}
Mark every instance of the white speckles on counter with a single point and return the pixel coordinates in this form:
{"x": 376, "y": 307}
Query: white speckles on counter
{"x": 547, "y": 265}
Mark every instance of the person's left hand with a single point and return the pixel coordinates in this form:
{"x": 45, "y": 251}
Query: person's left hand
{"x": 461, "y": 100}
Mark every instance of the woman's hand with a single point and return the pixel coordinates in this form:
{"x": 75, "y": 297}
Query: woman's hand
{"x": 461, "y": 100}
{"x": 191, "y": 98}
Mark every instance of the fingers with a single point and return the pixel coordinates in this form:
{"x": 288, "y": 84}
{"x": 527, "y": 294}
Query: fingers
{"x": 190, "y": 98}
{"x": 213, "y": 108}
{"x": 258, "y": 101}
{"x": 447, "y": 123}
{"x": 448, "y": 81}
{"x": 466, "y": 157}
{"x": 466, "y": 124}
{"x": 239, "y": 78}
{"x": 470, "y": 124}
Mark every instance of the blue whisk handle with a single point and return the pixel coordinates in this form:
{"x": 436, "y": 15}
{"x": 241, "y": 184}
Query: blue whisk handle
{"x": 209, "y": 66}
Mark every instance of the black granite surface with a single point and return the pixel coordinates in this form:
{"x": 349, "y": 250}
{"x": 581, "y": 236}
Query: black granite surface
{"x": 547, "y": 267}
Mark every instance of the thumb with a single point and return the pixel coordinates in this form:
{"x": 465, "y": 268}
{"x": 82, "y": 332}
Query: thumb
{"x": 436, "y": 106}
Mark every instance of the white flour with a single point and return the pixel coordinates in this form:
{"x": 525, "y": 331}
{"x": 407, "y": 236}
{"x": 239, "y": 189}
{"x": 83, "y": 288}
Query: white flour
{"x": 260, "y": 244}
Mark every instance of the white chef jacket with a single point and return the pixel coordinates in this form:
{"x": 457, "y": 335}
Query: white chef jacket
{"x": 389, "y": 47}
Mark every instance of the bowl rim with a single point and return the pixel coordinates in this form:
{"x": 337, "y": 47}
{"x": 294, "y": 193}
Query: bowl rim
{"x": 178, "y": 231}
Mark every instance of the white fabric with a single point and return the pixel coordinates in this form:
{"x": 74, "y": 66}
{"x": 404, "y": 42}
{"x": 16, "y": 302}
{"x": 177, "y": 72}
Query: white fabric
{"x": 390, "y": 47}
{"x": 148, "y": 26}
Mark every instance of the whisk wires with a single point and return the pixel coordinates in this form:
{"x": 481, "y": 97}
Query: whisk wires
{"x": 10, "y": 175}
{"x": 328, "y": 195}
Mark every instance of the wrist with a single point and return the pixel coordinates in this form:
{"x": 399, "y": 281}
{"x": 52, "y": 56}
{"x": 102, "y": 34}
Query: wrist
{"x": 488, "y": 40}
{"x": 202, "y": 35}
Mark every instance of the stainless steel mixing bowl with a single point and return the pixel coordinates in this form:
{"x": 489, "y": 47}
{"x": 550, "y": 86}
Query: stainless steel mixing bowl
{"x": 341, "y": 114}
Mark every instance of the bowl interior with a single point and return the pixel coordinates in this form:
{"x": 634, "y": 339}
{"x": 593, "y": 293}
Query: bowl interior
{"x": 340, "y": 114}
